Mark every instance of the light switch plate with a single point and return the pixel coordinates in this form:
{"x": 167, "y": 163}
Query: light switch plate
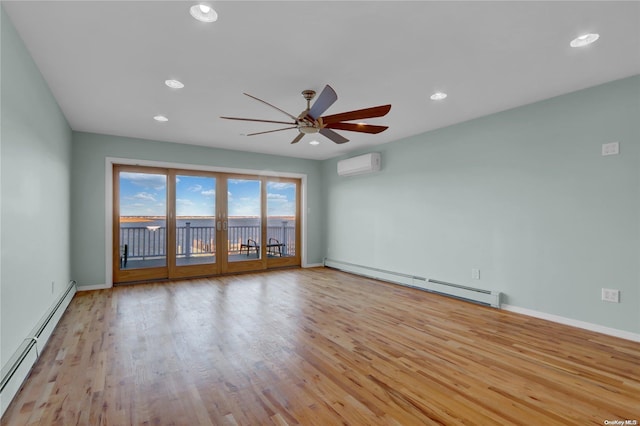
{"x": 611, "y": 148}
{"x": 610, "y": 295}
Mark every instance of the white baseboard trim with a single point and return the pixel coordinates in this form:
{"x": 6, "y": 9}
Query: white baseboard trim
{"x": 312, "y": 265}
{"x": 93, "y": 287}
{"x": 573, "y": 322}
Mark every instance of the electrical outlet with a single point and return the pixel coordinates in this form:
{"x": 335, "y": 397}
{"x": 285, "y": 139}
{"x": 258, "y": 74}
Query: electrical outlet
{"x": 610, "y": 295}
{"x": 612, "y": 148}
{"x": 475, "y": 274}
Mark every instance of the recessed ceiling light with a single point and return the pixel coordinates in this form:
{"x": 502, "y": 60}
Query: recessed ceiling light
{"x": 203, "y": 13}
{"x": 314, "y": 142}
{"x": 584, "y": 40}
{"x": 160, "y": 118}
{"x": 438, "y": 96}
{"x": 174, "y": 84}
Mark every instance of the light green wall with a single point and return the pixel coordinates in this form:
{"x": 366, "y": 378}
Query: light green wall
{"x": 523, "y": 195}
{"x": 88, "y": 200}
{"x": 35, "y": 168}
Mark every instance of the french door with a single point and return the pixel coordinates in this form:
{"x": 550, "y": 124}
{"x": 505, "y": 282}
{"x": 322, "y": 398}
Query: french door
{"x": 170, "y": 223}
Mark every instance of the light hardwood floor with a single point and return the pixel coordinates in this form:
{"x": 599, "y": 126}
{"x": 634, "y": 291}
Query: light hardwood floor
{"x": 318, "y": 347}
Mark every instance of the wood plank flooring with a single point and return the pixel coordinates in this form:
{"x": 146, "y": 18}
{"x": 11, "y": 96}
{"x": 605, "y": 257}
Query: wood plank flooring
{"x": 318, "y": 347}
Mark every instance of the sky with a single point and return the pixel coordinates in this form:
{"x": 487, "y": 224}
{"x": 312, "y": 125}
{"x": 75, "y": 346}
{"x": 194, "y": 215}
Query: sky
{"x": 144, "y": 194}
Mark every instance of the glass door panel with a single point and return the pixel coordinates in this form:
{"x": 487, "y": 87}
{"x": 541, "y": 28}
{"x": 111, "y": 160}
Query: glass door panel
{"x": 140, "y": 240}
{"x": 143, "y": 220}
{"x": 244, "y": 225}
{"x": 195, "y": 230}
{"x": 281, "y": 219}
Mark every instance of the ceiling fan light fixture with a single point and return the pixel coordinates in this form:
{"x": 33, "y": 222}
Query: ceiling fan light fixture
{"x": 584, "y": 40}
{"x": 314, "y": 142}
{"x": 307, "y": 130}
{"x": 438, "y": 96}
{"x": 161, "y": 118}
{"x": 203, "y": 13}
{"x": 174, "y": 84}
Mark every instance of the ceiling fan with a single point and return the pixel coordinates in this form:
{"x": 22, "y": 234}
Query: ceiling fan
{"x": 310, "y": 120}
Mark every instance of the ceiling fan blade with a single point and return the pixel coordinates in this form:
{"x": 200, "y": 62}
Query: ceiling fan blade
{"x": 357, "y": 127}
{"x": 325, "y": 100}
{"x": 298, "y": 138}
{"x": 333, "y": 135}
{"x": 257, "y": 119}
{"x": 359, "y": 114}
{"x": 273, "y": 106}
{"x": 271, "y": 131}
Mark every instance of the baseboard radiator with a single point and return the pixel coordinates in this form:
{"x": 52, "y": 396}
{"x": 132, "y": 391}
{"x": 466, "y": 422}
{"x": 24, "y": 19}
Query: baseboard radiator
{"x": 470, "y": 294}
{"x": 16, "y": 370}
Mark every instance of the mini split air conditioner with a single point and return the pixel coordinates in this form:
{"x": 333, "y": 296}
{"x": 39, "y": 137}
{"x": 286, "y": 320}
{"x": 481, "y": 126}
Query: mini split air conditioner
{"x": 366, "y": 163}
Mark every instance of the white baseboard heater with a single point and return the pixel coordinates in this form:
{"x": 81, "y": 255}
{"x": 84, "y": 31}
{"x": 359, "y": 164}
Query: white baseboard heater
{"x": 19, "y": 365}
{"x": 470, "y": 294}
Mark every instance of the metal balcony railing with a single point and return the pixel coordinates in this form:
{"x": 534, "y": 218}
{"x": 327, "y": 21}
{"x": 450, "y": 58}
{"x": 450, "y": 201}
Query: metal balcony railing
{"x": 150, "y": 242}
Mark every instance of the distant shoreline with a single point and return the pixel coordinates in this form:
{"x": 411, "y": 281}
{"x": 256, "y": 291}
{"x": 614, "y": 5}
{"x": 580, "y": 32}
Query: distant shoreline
{"x": 142, "y": 219}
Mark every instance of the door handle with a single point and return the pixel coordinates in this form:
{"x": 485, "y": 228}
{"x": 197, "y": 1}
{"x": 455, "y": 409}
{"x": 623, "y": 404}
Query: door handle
{"x": 224, "y": 225}
{"x": 219, "y": 226}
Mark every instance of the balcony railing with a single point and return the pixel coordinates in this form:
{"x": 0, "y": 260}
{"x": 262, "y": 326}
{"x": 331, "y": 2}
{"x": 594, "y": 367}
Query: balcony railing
{"x": 149, "y": 242}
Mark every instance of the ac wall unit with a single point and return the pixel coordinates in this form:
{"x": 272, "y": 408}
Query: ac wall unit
{"x": 366, "y": 163}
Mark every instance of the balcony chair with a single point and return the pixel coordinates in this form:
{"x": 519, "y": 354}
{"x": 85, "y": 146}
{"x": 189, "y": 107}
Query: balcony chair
{"x": 251, "y": 244}
{"x": 124, "y": 256}
{"x": 274, "y": 247}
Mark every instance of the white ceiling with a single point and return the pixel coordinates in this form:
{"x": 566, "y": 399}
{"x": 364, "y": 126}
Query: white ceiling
{"x": 106, "y": 63}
